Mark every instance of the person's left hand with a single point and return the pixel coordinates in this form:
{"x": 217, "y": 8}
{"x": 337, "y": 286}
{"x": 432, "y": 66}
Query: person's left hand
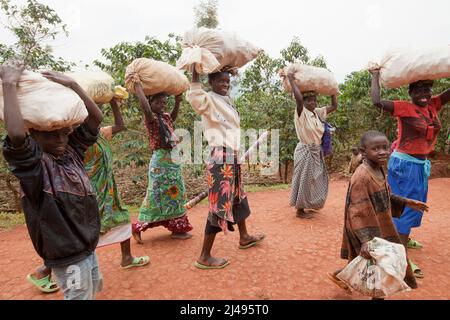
{"x": 417, "y": 205}
{"x": 59, "y": 78}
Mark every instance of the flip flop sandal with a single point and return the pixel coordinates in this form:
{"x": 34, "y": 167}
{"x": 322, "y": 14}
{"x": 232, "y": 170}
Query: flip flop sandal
{"x": 205, "y": 267}
{"x": 413, "y": 244}
{"x": 138, "y": 262}
{"x": 44, "y": 284}
{"x": 416, "y": 270}
{"x": 252, "y": 244}
{"x": 339, "y": 283}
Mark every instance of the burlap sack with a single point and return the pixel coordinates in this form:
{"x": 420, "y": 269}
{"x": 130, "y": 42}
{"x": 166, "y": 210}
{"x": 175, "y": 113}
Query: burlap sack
{"x": 156, "y": 77}
{"x": 46, "y": 105}
{"x": 309, "y": 78}
{"x": 404, "y": 66}
{"x": 98, "y": 84}
{"x": 213, "y": 50}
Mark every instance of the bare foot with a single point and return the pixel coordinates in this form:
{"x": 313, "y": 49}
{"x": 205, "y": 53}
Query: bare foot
{"x": 181, "y": 235}
{"x": 137, "y": 237}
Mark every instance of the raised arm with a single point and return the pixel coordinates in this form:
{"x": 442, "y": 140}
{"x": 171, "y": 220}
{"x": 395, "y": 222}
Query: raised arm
{"x": 15, "y": 126}
{"x": 143, "y": 102}
{"x": 445, "y": 96}
{"x": 176, "y": 109}
{"x": 119, "y": 125}
{"x": 297, "y": 93}
{"x": 195, "y": 76}
{"x": 387, "y": 106}
{"x": 95, "y": 116}
{"x": 334, "y": 105}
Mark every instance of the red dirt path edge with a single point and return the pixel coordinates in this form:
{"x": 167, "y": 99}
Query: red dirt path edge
{"x": 290, "y": 264}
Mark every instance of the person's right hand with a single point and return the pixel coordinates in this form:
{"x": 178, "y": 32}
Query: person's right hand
{"x": 364, "y": 252}
{"x": 11, "y": 72}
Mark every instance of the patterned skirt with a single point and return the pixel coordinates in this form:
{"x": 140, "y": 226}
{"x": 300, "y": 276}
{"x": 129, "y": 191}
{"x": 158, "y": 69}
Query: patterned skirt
{"x": 227, "y": 199}
{"x": 165, "y": 192}
{"x": 310, "y": 178}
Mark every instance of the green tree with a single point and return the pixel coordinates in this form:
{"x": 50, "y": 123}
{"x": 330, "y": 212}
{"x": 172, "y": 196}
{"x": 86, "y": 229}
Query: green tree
{"x": 206, "y": 14}
{"x": 33, "y": 25}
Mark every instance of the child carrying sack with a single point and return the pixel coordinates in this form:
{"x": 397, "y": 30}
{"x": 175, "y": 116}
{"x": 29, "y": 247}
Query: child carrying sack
{"x": 46, "y": 105}
{"x": 309, "y": 78}
{"x": 380, "y": 276}
{"x": 404, "y": 66}
{"x": 155, "y": 77}
{"x": 98, "y": 84}
{"x": 215, "y": 50}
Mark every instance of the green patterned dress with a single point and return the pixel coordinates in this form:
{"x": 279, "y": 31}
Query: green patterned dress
{"x": 98, "y": 163}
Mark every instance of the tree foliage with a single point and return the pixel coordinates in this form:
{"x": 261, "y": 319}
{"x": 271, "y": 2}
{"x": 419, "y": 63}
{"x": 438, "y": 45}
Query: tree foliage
{"x": 33, "y": 25}
{"x": 206, "y": 14}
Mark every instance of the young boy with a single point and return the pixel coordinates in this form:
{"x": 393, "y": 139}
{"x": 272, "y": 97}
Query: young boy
{"x": 58, "y": 200}
{"x": 370, "y": 205}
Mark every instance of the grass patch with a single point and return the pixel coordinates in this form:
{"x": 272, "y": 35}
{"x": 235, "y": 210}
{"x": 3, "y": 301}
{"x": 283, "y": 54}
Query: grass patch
{"x": 10, "y": 220}
{"x": 257, "y": 188}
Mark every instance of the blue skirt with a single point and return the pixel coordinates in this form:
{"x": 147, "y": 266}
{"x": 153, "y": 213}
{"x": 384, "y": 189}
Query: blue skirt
{"x": 408, "y": 179}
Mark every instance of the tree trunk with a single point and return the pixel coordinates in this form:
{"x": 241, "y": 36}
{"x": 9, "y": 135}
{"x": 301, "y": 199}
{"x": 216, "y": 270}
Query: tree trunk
{"x": 286, "y": 167}
{"x": 279, "y": 172}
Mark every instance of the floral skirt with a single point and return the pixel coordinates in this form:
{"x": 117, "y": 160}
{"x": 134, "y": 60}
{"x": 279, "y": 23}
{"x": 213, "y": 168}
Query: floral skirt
{"x": 227, "y": 200}
{"x": 165, "y": 197}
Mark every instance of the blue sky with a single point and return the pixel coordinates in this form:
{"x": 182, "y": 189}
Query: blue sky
{"x": 347, "y": 33}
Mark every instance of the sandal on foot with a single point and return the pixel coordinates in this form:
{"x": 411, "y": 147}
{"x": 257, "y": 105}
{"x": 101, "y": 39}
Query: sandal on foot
{"x": 339, "y": 283}
{"x": 416, "y": 270}
{"x": 253, "y": 243}
{"x": 205, "y": 267}
{"x": 413, "y": 244}
{"x": 44, "y": 284}
{"x": 138, "y": 262}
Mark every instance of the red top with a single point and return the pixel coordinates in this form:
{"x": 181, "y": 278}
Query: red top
{"x": 153, "y": 131}
{"x": 418, "y": 127}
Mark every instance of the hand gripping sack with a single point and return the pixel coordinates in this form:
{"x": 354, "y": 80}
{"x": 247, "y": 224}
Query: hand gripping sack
{"x": 214, "y": 50}
{"x": 401, "y": 67}
{"x": 98, "y": 84}
{"x": 380, "y": 276}
{"x": 309, "y": 78}
{"x": 155, "y": 77}
{"x": 46, "y": 105}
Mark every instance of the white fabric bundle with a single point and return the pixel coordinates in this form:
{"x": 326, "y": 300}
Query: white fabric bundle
{"x": 46, "y": 105}
{"x": 309, "y": 78}
{"x": 155, "y": 77}
{"x": 404, "y": 66}
{"x": 214, "y": 50}
{"x": 382, "y": 275}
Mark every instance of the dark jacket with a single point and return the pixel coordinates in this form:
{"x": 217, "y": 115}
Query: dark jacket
{"x": 58, "y": 200}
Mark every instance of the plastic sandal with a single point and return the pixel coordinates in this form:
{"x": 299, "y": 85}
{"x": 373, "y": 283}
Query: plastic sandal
{"x": 205, "y": 267}
{"x": 413, "y": 244}
{"x": 416, "y": 270}
{"x": 253, "y": 243}
{"x": 44, "y": 284}
{"x": 138, "y": 262}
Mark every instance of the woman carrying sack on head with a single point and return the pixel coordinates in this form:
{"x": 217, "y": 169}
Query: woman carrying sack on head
{"x": 310, "y": 178}
{"x": 164, "y": 202}
{"x": 409, "y": 167}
